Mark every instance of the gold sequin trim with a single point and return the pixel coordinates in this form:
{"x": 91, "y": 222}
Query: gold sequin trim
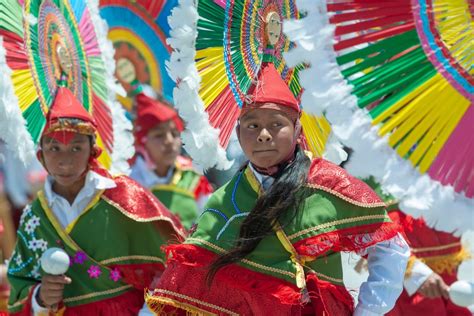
{"x": 345, "y": 198}
{"x": 338, "y": 222}
{"x": 136, "y": 257}
{"x": 91, "y": 295}
{"x": 251, "y": 263}
{"x": 435, "y": 248}
{"x": 190, "y": 299}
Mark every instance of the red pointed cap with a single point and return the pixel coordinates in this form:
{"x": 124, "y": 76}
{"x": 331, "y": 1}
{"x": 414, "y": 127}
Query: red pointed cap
{"x": 151, "y": 112}
{"x": 66, "y": 106}
{"x": 271, "y": 88}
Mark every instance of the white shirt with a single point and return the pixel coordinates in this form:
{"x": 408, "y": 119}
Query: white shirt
{"x": 147, "y": 177}
{"x": 67, "y": 213}
{"x": 387, "y": 262}
{"x": 419, "y": 273}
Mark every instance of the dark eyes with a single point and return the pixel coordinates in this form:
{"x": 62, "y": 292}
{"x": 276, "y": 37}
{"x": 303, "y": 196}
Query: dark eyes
{"x": 272, "y": 125}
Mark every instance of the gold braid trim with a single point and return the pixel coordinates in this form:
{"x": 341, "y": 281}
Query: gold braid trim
{"x": 135, "y": 257}
{"x": 345, "y": 198}
{"x": 338, "y": 222}
{"x": 440, "y": 264}
{"x": 250, "y": 263}
{"x": 158, "y": 303}
{"x": 91, "y": 295}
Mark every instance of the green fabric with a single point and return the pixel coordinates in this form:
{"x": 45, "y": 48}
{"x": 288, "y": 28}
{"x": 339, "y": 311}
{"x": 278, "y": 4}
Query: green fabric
{"x": 102, "y": 232}
{"x": 386, "y": 197}
{"x": 220, "y": 223}
{"x": 179, "y": 198}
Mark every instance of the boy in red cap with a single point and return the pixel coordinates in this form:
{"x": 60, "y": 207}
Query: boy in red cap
{"x": 111, "y": 228}
{"x": 159, "y": 166}
{"x": 269, "y": 241}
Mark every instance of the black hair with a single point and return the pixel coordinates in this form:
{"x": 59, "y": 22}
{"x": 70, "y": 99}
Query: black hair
{"x": 282, "y": 197}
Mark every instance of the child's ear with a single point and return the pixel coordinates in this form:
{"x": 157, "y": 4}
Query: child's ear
{"x": 96, "y": 151}
{"x": 39, "y": 156}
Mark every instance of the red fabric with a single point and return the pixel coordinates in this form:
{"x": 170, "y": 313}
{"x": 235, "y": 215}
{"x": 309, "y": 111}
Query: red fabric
{"x": 420, "y": 235}
{"x": 270, "y": 88}
{"x": 349, "y": 239}
{"x": 127, "y": 304}
{"x": 332, "y": 177}
{"x": 65, "y": 105}
{"x": 140, "y": 204}
{"x": 417, "y": 305}
{"x": 151, "y": 112}
{"x": 244, "y": 291}
{"x": 140, "y": 276}
{"x": 203, "y": 188}
{"x": 27, "y": 307}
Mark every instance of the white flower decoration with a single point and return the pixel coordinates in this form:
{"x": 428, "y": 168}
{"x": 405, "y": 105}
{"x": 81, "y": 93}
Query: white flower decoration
{"x": 35, "y": 271}
{"x": 32, "y": 223}
{"x": 37, "y": 244}
{"x": 18, "y": 260}
{"x": 25, "y": 213}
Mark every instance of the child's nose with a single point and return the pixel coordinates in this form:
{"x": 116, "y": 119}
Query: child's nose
{"x": 264, "y": 136}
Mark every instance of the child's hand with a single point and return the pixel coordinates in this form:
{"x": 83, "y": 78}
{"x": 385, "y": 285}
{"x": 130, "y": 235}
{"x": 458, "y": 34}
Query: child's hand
{"x": 51, "y": 290}
{"x": 434, "y": 287}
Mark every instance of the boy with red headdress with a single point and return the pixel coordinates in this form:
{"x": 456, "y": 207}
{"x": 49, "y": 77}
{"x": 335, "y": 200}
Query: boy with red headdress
{"x": 159, "y": 166}
{"x": 111, "y": 227}
{"x": 269, "y": 241}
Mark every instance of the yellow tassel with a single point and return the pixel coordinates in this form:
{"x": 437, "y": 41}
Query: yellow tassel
{"x": 440, "y": 264}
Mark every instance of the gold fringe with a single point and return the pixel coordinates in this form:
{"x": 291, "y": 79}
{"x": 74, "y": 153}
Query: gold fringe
{"x": 158, "y": 304}
{"x": 441, "y": 264}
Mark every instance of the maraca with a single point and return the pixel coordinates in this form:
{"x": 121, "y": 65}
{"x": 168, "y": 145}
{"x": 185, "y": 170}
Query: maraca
{"x": 461, "y": 293}
{"x": 55, "y": 261}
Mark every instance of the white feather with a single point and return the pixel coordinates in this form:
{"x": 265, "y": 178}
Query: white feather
{"x": 13, "y": 126}
{"x": 200, "y": 139}
{"x": 326, "y": 91}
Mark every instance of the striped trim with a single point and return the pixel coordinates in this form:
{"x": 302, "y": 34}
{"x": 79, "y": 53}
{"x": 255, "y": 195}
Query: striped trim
{"x": 95, "y": 294}
{"x": 345, "y": 198}
{"x": 435, "y": 248}
{"x": 173, "y": 188}
{"x": 136, "y": 257}
{"x": 246, "y": 261}
{"x": 338, "y": 222}
{"x": 191, "y": 299}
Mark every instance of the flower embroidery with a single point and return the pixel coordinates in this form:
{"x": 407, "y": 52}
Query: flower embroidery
{"x": 34, "y": 221}
{"x": 37, "y": 244}
{"x": 35, "y": 271}
{"x": 24, "y": 214}
{"x": 18, "y": 260}
{"x": 80, "y": 257}
{"x": 115, "y": 275}
{"x": 29, "y": 228}
{"x": 94, "y": 272}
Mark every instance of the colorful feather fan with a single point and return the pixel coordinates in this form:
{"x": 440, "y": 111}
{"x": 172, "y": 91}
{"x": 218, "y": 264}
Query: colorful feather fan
{"x": 138, "y": 31}
{"x": 43, "y": 41}
{"x": 404, "y": 67}
{"x": 230, "y": 43}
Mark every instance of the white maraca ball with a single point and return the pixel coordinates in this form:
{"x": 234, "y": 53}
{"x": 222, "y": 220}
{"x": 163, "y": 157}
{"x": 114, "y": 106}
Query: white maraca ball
{"x": 55, "y": 261}
{"x": 461, "y": 293}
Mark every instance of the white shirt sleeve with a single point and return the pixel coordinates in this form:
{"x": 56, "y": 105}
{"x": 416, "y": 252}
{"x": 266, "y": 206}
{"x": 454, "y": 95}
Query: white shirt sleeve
{"x": 145, "y": 311}
{"x": 37, "y": 309}
{"x": 419, "y": 273}
{"x": 387, "y": 263}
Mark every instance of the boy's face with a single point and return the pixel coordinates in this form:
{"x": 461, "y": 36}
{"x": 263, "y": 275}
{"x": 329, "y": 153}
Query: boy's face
{"x": 66, "y": 163}
{"x": 163, "y": 143}
{"x": 266, "y": 136}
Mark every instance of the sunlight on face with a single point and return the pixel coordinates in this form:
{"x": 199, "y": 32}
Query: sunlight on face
{"x": 163, "y": 143}
{"x": 66, "y": 163}
{"x": 266, "y": 136}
